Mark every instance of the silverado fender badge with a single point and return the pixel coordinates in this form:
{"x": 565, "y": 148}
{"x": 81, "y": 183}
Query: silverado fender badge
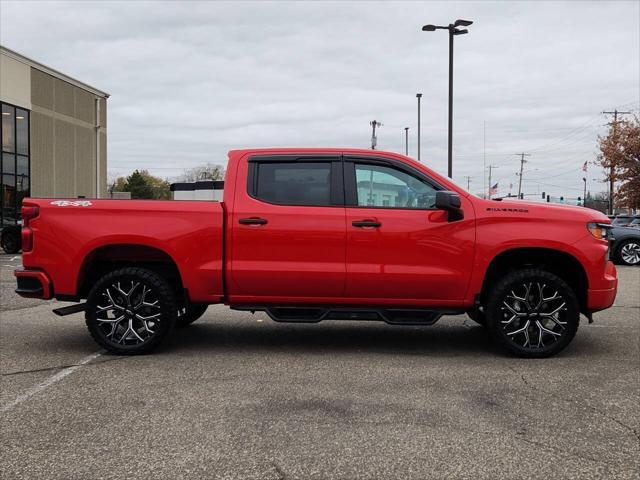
{"x": 75, "y": 203}
{"x": 503, "y": 209}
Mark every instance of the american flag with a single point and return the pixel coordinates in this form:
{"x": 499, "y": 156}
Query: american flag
{"x": 493, "y": 190}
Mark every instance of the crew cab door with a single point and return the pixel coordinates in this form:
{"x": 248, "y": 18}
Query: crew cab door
{"x": 288, "y": 233}
{"x": 399, "y": 247}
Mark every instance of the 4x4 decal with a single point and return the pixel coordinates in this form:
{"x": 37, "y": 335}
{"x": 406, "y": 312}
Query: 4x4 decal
{"x": 72, "y": 203}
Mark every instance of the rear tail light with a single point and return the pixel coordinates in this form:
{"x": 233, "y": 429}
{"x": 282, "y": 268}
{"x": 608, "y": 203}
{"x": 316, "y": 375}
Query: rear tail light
{"x": 29, "y": 212}
{"x": 27, "y": 239}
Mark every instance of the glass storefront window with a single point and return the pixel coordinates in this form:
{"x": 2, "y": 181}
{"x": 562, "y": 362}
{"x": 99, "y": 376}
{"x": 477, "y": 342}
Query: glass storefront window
{"x": 8, "y": 199}
{"x": 22, "y": 131}
{"x": 8, "y": 128}
{"x": 14, "y": 163}
{"x": 22, "y": 166}
{"x": 8, "y": 163}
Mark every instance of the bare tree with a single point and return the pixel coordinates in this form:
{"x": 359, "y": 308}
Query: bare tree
{"x": 203, "y": 172}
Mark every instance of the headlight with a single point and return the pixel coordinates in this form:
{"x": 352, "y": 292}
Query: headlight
{"x": 598, "y": 230}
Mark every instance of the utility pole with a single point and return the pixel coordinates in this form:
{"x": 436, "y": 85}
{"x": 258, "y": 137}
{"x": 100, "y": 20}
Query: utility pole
{"x": 468, "y": 181}
{"x": 491, "y": 167}
{"x": 406, "y": 141}
{"x": 615, "y": 114}
{"x": 418, "y": 96}
{"x": 522, "y": 162}
{"x": 374, "y": 139}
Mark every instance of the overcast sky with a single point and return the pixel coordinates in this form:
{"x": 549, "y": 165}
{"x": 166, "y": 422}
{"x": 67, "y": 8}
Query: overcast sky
{"x": 191, "y": 80}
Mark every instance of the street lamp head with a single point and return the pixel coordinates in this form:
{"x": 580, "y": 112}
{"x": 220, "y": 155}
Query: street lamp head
{"x": 418, "y": 95}
{"x": 429, "y": 28}
{"x": 460, "y": 32}
{"x": 462, "y": 23}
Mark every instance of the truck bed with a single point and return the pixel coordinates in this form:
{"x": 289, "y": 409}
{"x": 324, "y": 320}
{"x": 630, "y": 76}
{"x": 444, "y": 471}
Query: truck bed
{"x": 70, "y": 237}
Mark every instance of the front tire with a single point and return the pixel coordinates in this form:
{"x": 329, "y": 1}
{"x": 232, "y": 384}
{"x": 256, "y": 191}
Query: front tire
{"x": 629, "y": 252}
{"x": 130, "y": 311}
{"x": 532, "y": 313}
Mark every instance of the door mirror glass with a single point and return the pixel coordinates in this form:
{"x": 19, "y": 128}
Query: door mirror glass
{"x": 450, "y": 201}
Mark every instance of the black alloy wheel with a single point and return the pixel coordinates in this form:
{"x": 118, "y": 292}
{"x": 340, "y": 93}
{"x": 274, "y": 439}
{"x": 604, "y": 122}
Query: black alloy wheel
{"x": 130, "y": 311}
{"x": 532, "y": 313}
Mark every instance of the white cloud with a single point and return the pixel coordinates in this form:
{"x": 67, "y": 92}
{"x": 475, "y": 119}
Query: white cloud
{"x": 192, "y": 80}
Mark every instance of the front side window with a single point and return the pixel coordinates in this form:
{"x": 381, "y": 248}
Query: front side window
{"x": 294, "y": 183}
{"x": 388, "y": 187}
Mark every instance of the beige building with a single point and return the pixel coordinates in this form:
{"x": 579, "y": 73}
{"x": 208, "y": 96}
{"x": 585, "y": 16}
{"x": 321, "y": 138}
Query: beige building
{"x": 54, "y": 134}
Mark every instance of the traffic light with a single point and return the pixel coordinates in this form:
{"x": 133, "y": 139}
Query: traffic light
{"x": 543, "y": 196}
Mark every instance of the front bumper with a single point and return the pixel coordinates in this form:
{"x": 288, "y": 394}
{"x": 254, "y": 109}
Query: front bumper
{"x": 601, "y": 298}
{"x": 33, "y": 284}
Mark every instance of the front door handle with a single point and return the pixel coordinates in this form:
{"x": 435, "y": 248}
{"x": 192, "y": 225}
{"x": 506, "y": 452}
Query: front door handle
{"x": 366, "y": 223}
{"x": 252, "y": 221}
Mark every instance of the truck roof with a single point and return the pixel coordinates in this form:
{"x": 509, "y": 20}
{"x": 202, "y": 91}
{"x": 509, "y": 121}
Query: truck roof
{"x": 362, "y": 151}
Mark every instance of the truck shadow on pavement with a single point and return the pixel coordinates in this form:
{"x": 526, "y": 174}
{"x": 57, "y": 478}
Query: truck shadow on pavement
{"x": 343, "y": 337}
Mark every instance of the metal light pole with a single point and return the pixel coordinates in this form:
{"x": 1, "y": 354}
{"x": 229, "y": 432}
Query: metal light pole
{"x": 406, "y": 141}
{"x": 418, "y": 96}
{"x": 453, "y": 30}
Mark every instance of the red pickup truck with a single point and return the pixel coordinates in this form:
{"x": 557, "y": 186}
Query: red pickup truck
{"x": 312, "y": 234}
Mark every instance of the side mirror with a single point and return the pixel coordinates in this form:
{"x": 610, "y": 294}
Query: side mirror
{"x": 450, "y": 201}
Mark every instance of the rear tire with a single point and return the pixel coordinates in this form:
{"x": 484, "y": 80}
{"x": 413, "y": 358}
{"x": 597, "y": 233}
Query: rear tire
{"x": 10, "y": 241}
{"x": 532, "y": 313}
{"x": 130, "y": 311}
{"x": 189, "y": 314}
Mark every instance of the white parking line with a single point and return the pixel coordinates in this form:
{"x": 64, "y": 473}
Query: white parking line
{"x": 48, "y": 382}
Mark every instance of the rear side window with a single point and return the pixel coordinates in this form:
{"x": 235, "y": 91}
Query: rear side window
{"x": 291, "y": 183}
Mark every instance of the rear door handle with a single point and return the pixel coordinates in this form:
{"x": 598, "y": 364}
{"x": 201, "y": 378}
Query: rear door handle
{"x": 252, "y": 221}
{"x": 366, "y": 223}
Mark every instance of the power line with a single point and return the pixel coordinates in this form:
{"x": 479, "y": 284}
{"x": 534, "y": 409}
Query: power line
{"x": 553, "y": 185}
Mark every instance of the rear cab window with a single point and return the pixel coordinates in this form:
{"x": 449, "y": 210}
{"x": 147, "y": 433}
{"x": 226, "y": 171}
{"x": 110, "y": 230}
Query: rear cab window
{"x": 302, "y": 181}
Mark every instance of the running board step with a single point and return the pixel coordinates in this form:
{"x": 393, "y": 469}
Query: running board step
{"x": 71, "y": 309}
{"x": 393, "y": 316}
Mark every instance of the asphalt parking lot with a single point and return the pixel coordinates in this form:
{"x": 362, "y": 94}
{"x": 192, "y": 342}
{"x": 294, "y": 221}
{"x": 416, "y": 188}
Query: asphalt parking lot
{"x": 239, "y": 396}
